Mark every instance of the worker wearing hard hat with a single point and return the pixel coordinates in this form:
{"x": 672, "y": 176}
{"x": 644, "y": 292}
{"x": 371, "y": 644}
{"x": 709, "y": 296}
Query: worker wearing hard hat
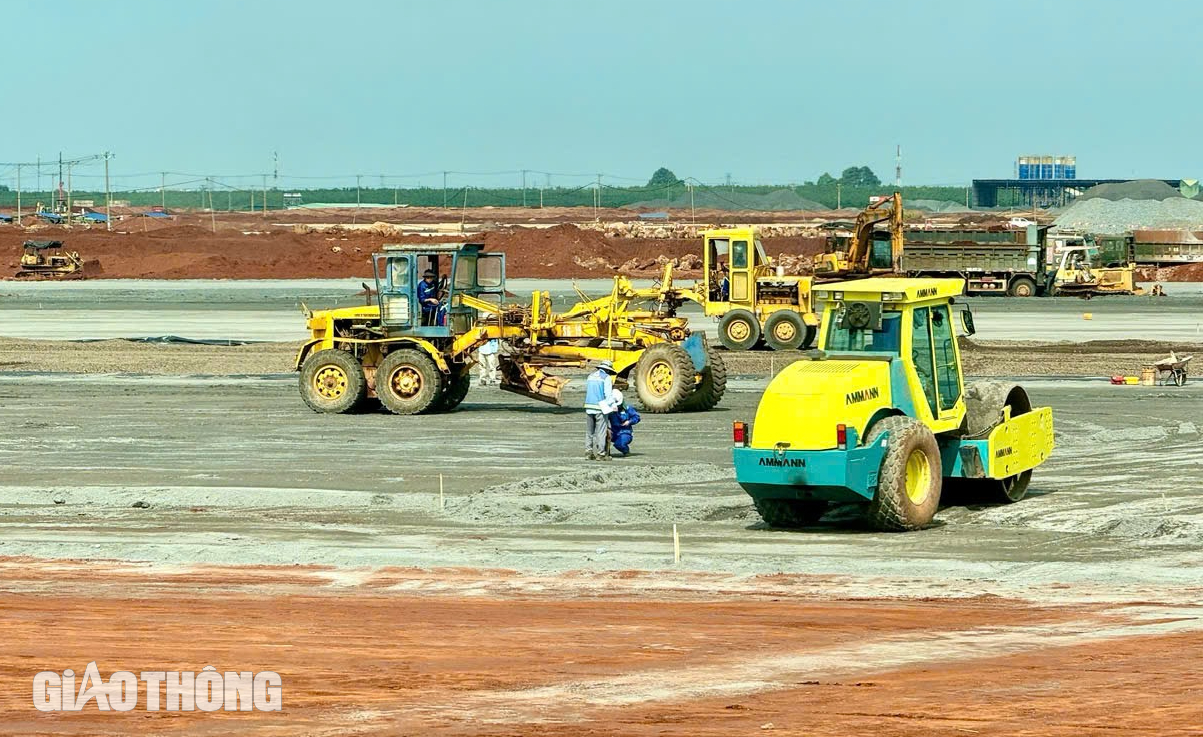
{"x": 599, "y": 402}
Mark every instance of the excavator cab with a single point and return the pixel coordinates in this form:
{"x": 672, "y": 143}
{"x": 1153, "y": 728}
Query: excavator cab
{"x": 459, "y": 269}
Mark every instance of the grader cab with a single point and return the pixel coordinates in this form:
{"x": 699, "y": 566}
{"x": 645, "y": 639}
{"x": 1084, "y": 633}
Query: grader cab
{"x": 880, "y": 414}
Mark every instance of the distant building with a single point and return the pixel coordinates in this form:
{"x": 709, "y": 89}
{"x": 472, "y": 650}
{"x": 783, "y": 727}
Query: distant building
{"x": 1046, "y": 167}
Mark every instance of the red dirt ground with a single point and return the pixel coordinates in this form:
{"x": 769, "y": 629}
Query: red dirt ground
{"x": 460, "y": 652}
{"x": 195, "y": 251}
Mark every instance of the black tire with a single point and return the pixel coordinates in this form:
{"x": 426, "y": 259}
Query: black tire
{"x": 664, "y": 378}
{"x": 739, "y": 330}
{"x": 1022, "y": 286}
{"x": 812, "y": 332}
{"x": 333, "y": 381}
{"x": 790, "y": 513}
{"x": 984, "y": 404}
{"x": 408, "y": 382}
{"x": 709, "y": 391}
{"x": 455, "y": 392}
{"x": 784, "y": 330}
{"x": 911, "y": 445}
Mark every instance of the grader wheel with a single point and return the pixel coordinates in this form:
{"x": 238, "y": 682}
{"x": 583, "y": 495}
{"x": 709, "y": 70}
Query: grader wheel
{"x": 664, "y": 378}
{"x": 785, "y": 331}
{"x": 455, "y": 392}
{"x": 332, "y": 381}
{"x": 408, "y": 382}
{"x": 709, "y": 391}
{"x": 739, "y": 330}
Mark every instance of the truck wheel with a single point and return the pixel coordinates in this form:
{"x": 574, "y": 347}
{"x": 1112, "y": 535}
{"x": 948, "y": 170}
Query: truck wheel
{"x": 455, "y": 392}
{"x": 709, "y": 391}
{"x": 784, "y": 330}
{"x": 739, "y": 330}
{"x": 408, "y": 382}
{"x": 811, "y": 333}
{"x": 790, "y": 513}
{"x": 1022, "y": 286}
{"x": 333, "y": 381}
{"x": 909, "y": 482}
{"x": 664, "y": 378}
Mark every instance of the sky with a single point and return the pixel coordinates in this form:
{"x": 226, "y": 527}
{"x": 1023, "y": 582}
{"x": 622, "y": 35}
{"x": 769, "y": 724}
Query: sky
{"x": 763, "y": 91}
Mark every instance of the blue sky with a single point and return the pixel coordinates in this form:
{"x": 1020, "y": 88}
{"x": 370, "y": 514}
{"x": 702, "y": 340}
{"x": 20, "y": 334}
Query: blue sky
{"x": 765, "y": 91}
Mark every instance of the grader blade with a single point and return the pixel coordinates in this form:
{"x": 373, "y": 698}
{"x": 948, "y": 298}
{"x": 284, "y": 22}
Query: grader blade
{"x": 530, "y": 381}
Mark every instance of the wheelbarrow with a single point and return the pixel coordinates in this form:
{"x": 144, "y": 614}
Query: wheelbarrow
{"x": 1172, "y": 370}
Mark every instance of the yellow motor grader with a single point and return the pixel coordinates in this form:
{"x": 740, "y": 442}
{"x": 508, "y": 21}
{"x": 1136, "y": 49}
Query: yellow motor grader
{"x": 412, "y": 345}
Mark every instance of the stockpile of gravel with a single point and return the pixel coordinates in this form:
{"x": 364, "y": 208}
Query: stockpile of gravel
{"x": 1100, "y": 215}
{"x": 780, "y": 199}
{"x": 1137, "y": 189}
{"x": 935, "y": 206}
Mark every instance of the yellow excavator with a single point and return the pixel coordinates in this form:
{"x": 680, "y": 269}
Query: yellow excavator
{"x": 865, "y": 252}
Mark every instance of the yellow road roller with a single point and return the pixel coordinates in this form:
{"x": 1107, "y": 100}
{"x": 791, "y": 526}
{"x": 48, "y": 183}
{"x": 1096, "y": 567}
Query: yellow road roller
{"x": 880, "y": 414}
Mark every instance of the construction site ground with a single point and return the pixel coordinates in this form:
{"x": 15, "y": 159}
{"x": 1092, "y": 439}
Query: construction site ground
{"x": 171, "y": 506}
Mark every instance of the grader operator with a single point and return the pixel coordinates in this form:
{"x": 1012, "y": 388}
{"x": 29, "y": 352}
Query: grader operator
{"x": 880, "y": 415}
{"x": 415, "y": 359}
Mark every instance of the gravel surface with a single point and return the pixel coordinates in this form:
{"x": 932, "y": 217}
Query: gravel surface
{"x": 986, "y": 358}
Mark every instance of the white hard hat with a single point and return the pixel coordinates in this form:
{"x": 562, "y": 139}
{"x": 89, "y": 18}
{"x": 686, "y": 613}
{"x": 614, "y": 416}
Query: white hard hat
{"x": 617, "y": 397}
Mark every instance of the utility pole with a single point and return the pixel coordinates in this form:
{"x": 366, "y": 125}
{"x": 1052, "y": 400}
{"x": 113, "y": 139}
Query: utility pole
{"x": 444, "y": 190}
{"x": 898, "y": 168}
{"x": 265, "y": 196}
{"x": 524, "y": 187}
{"x": 693, "y": 213}
{"x": 212, "y": 214}
{"x": 18, "y": 195}
{"x": 275, "y": 169}
{"x": 357, "y": 190}
{"x": 597, "y": 199}
{"x": 540, "y": 198}
{"x": 69, "y": 194}
{"x": 108, "y": 195}
{"x": 838, "y": 186}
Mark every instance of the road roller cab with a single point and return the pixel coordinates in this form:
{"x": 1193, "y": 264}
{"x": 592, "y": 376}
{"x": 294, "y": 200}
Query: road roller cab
{"x": 880, "y": 414}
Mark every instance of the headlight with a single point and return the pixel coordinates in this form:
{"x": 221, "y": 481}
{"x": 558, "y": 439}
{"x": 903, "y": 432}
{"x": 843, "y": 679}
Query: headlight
{"x": 822, "y": 294}
{"x": 839, "y": 295}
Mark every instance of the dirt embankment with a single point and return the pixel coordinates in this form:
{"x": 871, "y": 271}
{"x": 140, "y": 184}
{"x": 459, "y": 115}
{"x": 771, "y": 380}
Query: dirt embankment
{"x": 194, "y": 252}
{"x": 1184, "y": 272}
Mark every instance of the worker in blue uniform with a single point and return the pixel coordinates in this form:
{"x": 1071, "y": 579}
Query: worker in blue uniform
{"x": 428, "y": 297}
{"x": 622, "y": 420}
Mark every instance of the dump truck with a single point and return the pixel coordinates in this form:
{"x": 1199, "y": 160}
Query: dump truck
{"x": 49, "y": 260}
{"x": 880, "y": 414}
{"x": 1010, "y": 262}
{"x": 412, "y": 360}
{"x": 755, "y": 303}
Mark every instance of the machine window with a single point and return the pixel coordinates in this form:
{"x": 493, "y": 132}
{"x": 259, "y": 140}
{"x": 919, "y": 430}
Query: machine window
{"x": 921, "y": 355}
{"x": 948, "y": 379}
{"x": 465, "y": 272}
{"x": 864, "y": 340}
{"x": 399, "y": 273}
{"x": 489, "y": 272}
{"x": 739, "y": 255}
